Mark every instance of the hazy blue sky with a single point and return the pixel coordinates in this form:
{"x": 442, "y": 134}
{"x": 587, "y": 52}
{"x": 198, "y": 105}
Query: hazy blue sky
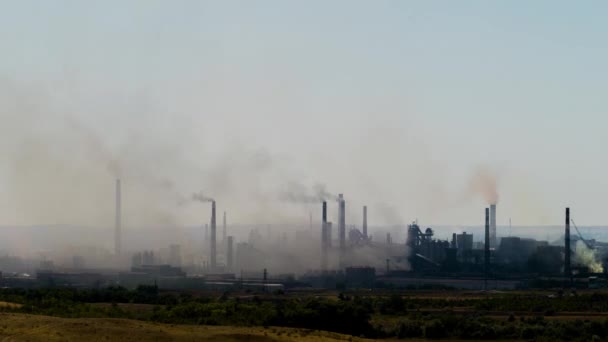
{"x": 394, "y": 103}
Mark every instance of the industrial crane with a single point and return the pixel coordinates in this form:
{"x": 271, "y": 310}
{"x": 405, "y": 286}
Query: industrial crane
{"x": 581, "y": 236}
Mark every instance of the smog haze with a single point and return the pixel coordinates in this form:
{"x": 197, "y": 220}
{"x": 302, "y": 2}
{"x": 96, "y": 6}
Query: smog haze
{"x": 402, "y": 107}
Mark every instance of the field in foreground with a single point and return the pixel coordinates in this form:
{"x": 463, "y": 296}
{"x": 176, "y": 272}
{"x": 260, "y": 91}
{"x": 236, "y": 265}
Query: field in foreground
{"x": 22, "y": 327}
{"x": 447, "y": 315}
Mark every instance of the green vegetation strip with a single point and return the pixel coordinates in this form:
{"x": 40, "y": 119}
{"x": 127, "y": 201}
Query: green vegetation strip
{"x": 536, "y": 316}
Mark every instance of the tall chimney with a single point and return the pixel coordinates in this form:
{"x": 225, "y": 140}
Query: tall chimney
{"x": 365, "y": 221}
{"x": 212, "y": 260}
{"x": 487, "y": 248}
{"x": 229, "y": 252}
{"x": 324, "y": 238}
{"x": 567, "y": 269}
{"x": 224, "y": 229}
{"x": 493, "y": 226}
{"x": 342, "y": 228}
{"x": 310, "y": 219}
{"x": 117, "y": 223}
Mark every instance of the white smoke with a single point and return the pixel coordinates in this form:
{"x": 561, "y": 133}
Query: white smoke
{"x": 587, "y": 257}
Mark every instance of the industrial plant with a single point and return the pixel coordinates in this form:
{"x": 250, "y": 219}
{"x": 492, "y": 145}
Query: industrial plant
{"x": 317, "y": 256}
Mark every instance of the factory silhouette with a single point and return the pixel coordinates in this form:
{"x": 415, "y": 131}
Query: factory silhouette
{"x": 326, "y": 255}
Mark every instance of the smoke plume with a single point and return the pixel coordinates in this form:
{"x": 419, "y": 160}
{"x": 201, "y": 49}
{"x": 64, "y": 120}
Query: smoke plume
{"x": 200, "y": 197}
{"x": 322, "y": 194}
{"x": 585, "y": 256}
{"x": 295, "y": 192}
{"x": 484, "y": 183}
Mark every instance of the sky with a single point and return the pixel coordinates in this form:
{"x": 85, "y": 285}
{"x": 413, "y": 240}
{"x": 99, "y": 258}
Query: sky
{"x": 400, "y": 105}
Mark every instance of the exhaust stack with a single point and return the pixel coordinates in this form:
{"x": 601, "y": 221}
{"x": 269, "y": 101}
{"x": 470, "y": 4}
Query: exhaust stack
{"x": 567, "y": 269}
{"x": 212, "y": 258}
{"x": 324, "y": 238}
{"x": 493, "y": 242}
{"x": 365, "y": 221}
{"x": 229, "y": 252}
{"x": 224, "y": 229}
{"x": 117, "y": 223}
{"x": 342, "y": 228}
{"x": 487, "y": 248}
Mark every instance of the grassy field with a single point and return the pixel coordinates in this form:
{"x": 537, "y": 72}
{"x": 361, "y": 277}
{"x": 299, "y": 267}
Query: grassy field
{"x": 146, "y": 313}
{"x": 21, "y": 327}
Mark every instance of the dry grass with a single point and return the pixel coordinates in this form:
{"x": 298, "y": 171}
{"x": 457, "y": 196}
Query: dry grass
{"x": 21, "y": 327}
{"x": 9, "y": 305}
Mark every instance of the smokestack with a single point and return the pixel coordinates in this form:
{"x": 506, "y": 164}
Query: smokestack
{"x": 310, "y": 219}
{"x": 229, "y": 252}
{"x": 487, "y": 248}
{"x": 493, "y": 225}
{"x": 567, "y": 270}
{"x": 117, "y": 223}
{"x": 224, "y": 230}
{"x": 324, "y": 238}
{"x": 212, "y": 260}
{"x": 342, "y": 228}
{"x": 365, "y": 221}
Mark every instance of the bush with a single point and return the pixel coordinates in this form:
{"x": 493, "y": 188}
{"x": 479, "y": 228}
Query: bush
{"x": 435, "y": 329}
{"x": 410, "y": 329}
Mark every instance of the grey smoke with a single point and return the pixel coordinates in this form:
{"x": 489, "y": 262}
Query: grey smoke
{"x": 295, "y": 192}
{"x": 201, "y": 197}
{"x": 321, "y": 192}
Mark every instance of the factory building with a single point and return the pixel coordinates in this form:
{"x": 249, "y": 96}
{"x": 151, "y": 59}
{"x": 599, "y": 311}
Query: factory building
{"x": 248, "y": 257}
{"x": 426, "y": 253}
{"x": 547, "y": 260}
{"x": 464, "y": 247}
{"x": 516, "y": 250}
{"x": 360, "y": 277}
{"x": 229, "y": 253}
{"x": 175, "y": 255}
{"x": 165, "y": 276}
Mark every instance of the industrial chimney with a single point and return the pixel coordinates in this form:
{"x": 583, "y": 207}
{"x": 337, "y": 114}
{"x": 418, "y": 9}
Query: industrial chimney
{"x": 567, "y": 269}
{"x": 324, "y": 238}
{"x": 310, "y": 220}
{"x": 365, "y": 221}
{"x": 117, "y": 223}
{"x": 212, "y": 259}
{"x": 229, "y": 252}
{"x": 342, "y": 228}
{"x": 493, "y": 226}
{"x": 487, "y": 248}
{"x": 224, "y": 230}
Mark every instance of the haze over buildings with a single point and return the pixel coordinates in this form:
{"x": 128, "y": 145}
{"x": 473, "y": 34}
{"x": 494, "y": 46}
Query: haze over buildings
{"x": 418, "y": 110}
